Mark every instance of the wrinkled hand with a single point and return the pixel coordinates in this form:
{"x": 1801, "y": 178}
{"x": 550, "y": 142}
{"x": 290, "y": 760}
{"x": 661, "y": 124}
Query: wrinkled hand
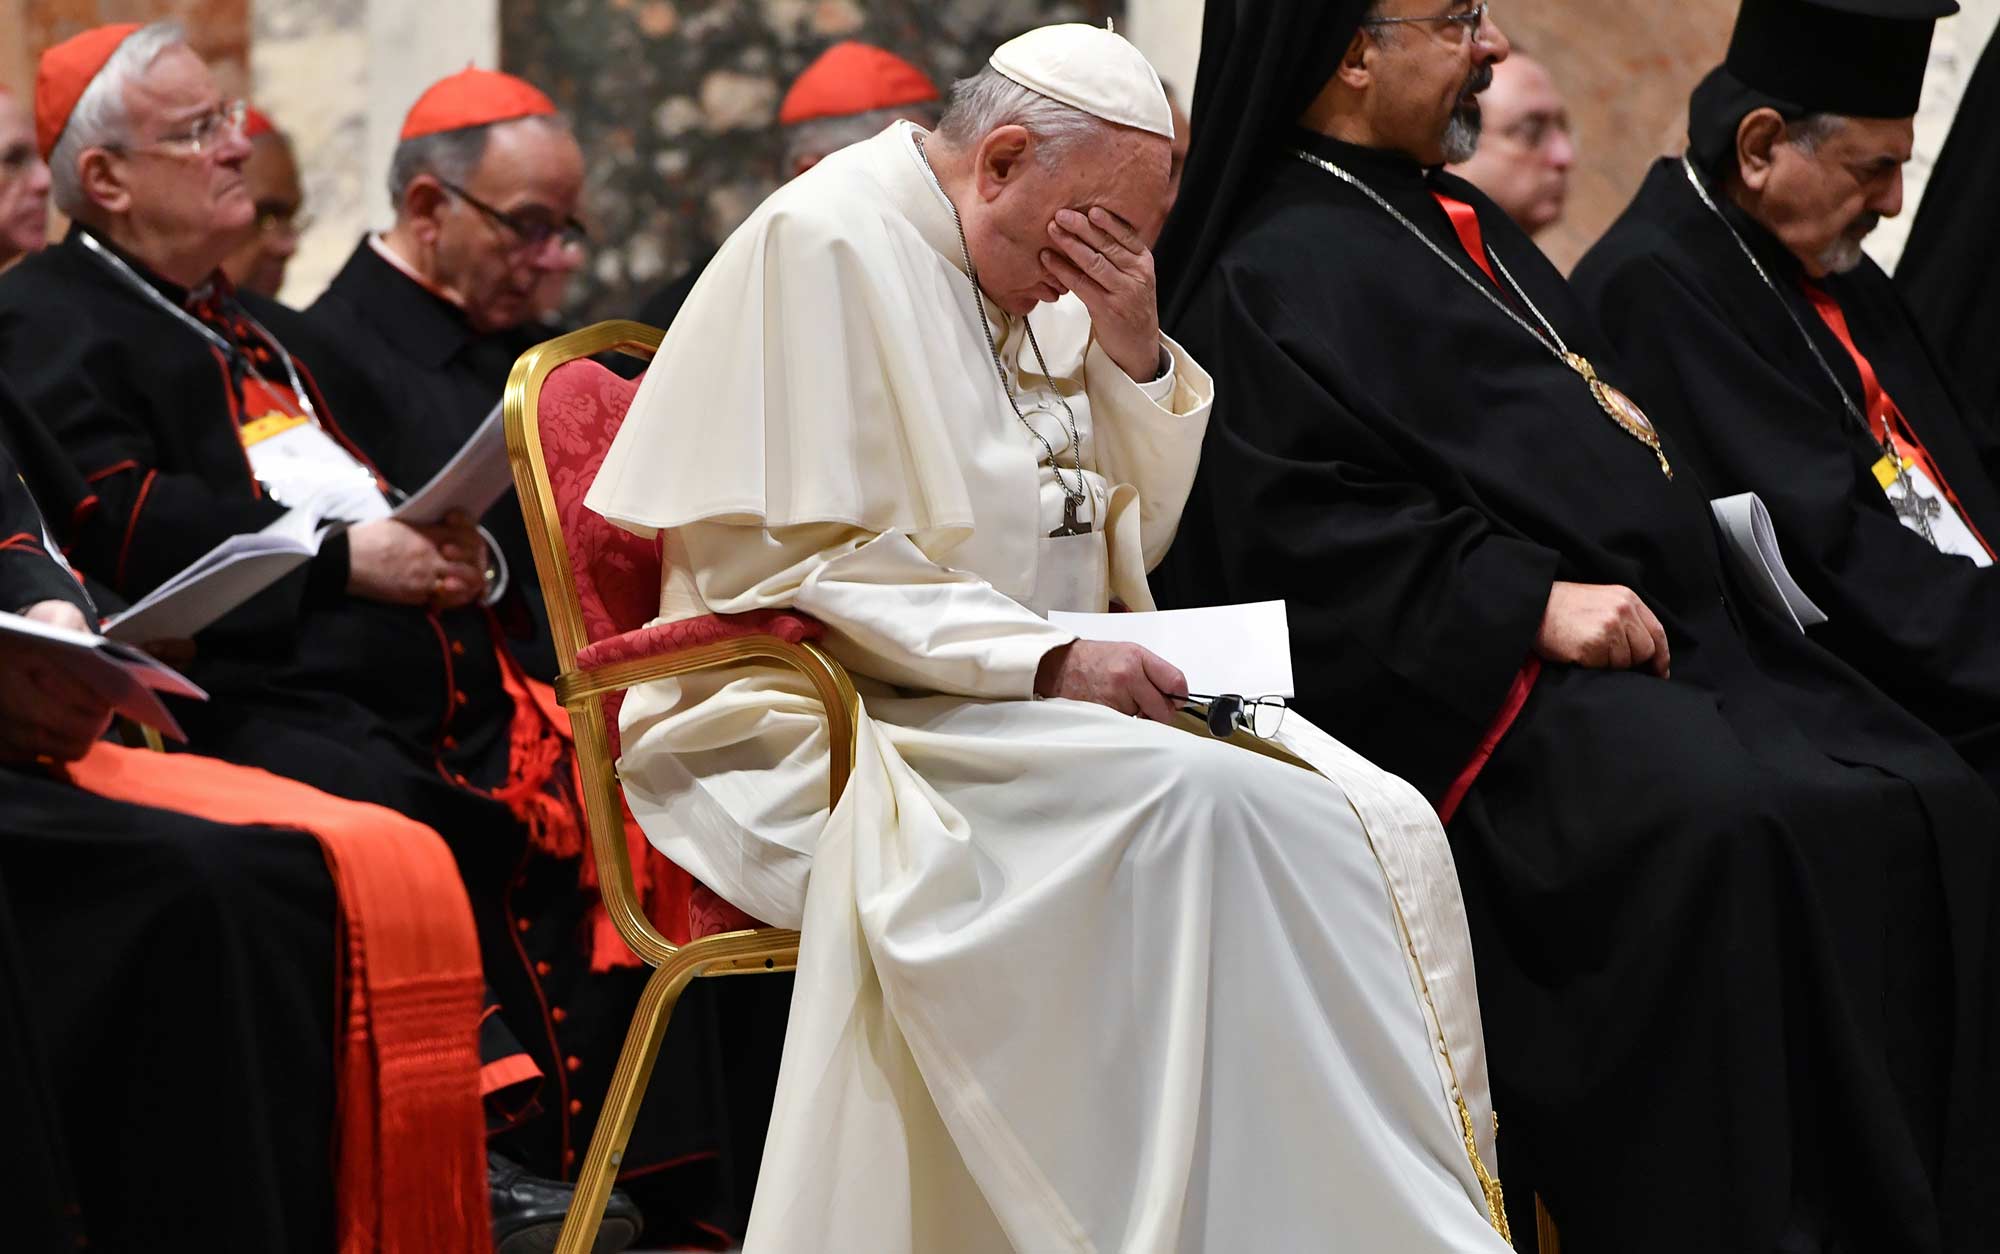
{"x": 1603, "y": 626}
{"x": 44, "y": 711}
{"x": 1103, "y": 260}
{"x": 442, "y": 565}
{"x": 1125, "y": 677}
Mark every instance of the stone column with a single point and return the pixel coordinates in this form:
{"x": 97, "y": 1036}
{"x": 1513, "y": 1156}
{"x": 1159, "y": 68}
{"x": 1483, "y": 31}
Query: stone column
{"x": 338, "y": 76}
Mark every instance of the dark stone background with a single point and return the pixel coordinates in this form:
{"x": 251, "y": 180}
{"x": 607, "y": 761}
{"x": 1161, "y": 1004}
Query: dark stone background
{"x": 675, "y": 103}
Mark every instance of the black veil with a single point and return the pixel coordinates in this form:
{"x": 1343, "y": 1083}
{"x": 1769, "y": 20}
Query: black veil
{"x": 1262, "y": 63}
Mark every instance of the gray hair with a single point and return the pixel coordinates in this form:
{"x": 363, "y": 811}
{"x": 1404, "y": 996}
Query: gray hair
{"x": 822, "y": 136}
{"x": 1812, "y": 130}
{"x": 989, "y": 100}
{"x": 101, "y": 118}
{"x": 449, "y": 156}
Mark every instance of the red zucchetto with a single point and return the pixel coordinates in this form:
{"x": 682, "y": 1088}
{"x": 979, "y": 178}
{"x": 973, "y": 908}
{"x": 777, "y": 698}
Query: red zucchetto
{"x": 66, "y": 72}
{"x": 256, "y": 122}
{"x": 474, "y": 97}
{"x": 851, "y": 78}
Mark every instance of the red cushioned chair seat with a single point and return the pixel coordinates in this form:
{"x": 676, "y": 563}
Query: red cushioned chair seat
{"x": 617, "y": 574}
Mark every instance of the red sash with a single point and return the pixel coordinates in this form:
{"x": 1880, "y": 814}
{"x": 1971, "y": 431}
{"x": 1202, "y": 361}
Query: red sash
{"x": 410, "y": 1161}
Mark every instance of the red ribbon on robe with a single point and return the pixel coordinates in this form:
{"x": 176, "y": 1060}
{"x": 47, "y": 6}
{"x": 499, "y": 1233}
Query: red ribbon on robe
{"x": 410, "y": 1157}
{"x": 1465, "y": 223}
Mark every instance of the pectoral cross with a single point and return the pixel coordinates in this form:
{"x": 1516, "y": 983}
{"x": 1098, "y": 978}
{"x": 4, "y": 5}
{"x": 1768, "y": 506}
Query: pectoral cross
{"x": 1070, "y": 525}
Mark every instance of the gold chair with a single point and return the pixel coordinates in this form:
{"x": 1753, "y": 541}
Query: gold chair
{"x": 602, "y": 652}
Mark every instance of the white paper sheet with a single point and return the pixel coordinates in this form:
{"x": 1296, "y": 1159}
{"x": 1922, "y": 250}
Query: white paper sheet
{"x": 220, "y": 580}
{"x": 1241, "y": 649}
{"x": 476, "y": 476}
{"x": 1753, "y": 541}
{"x": 129, "y": 681}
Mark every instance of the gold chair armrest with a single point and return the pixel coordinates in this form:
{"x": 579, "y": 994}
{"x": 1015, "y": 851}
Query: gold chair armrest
{"x": 582, "y": 692}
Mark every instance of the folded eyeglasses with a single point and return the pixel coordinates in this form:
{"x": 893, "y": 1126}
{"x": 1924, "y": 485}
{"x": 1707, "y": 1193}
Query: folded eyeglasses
{"x": 1228, "y": 713}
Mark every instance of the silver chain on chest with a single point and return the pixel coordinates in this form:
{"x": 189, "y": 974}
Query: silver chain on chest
{"x": 1911, "y": 506}
{"x": 1073, "y": 498}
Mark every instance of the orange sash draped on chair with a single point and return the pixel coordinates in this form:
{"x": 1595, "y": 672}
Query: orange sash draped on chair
{"x": 410, "y": 1163}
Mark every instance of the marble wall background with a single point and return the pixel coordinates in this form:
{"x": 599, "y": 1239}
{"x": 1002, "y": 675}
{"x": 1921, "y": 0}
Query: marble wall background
{"x": 675, "y": 103}
{"x": 338, "y": 76}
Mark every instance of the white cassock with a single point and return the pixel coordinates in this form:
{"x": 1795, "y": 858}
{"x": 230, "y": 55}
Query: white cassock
{"x": 1070, "y": 980}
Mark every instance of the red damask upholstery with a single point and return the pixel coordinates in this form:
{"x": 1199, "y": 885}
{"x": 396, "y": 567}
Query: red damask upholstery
{"x": 617, "y": 578}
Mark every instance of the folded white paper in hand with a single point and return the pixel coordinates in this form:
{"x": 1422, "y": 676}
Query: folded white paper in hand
{"x": 126, "y": 679}
{"x": 220, "y": 580}
{"x": 1753, "y": 542}
{"x": 1244, "y": 650}
{"x": 476, "y": 477}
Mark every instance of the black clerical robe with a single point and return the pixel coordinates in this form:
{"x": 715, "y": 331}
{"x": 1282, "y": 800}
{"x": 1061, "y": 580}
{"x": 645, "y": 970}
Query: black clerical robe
{"x": 166, "y": 1015}
{"x": 390, "y": 704}
{"x": 1731, "y": 926}
{"x": 1952, "y": 258}
{"x": 1752, "y": 410}
{"x": 439, "y": 378}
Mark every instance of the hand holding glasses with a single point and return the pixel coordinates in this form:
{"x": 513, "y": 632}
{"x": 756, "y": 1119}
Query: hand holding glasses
{"x": 1228, "y": 713}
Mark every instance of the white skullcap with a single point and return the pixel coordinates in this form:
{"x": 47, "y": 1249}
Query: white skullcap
{"x": 1090, "y": 69}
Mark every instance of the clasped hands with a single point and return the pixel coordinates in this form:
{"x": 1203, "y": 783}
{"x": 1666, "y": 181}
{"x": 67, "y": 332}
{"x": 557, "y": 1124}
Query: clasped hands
{"x": 1104, "y": 261}
{"x": 442, "y": 565}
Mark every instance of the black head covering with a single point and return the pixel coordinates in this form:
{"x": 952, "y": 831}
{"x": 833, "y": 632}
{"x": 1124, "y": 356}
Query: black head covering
{"x": 1262, "y": 63}
{"x": 1855, "y": 58}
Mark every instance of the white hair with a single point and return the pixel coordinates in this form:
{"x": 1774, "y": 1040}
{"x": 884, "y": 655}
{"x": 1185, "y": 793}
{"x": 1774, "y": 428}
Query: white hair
{"x": 101, "y": 118}
{"x": 990, "y": 100}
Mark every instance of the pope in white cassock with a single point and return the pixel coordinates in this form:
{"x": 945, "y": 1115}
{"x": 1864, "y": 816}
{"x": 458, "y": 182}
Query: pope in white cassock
{"x": 1071, "y": 979}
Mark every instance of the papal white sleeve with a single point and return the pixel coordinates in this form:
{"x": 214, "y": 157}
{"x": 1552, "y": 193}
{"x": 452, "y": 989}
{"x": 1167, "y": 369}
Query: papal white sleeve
{"x": 891, "y": 613}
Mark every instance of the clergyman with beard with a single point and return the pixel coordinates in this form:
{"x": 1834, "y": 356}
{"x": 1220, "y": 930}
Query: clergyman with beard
{"x": 1729, "y": 901}
{"x": 1736, "y": 288}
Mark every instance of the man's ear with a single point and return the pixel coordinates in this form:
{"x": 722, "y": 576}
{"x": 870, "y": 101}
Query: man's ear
{"x": 1356, "y": 65}
{"x": 102, "y": 177}
{"x": 1757, "y": 138}
{"x": 1001, "y": 158}
{"x": 424, "y": 203}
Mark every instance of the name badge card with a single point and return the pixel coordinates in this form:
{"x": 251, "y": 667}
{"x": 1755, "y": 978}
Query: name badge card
{"x": 1921, "y": 503}
{"x": 303, "y": 468}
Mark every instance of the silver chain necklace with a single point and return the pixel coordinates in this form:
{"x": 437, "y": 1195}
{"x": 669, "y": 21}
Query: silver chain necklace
{"x": 1911, "y": 506}
{"x": 222, "y": 343}
{"x": 1073, "y": 498}
{"x": 1621, "y": 409}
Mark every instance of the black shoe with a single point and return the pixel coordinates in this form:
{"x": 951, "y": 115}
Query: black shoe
{"x": 528, "y": 1212}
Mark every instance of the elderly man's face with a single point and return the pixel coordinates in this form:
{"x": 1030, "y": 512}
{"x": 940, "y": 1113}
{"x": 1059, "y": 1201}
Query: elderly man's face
{"x": 1017, "y": 194}
{"x": 1525, "y": 151}
{"x": 272, "y": 176}
{"x": 531, "y": 176}
{"x": 1825, "y": 202}
{"x": 24, "y": 184}
{"x": 186, "y": 197}
{"x": 1427, "y": 73}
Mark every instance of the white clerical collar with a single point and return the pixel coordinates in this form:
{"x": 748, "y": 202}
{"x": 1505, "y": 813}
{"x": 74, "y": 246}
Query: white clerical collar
{"x": 921, "y": 197}
{"x": 379, "y": 241}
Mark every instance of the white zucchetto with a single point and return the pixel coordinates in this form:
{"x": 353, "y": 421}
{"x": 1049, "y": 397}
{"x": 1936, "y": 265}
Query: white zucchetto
{"x": 1091, "y": 69}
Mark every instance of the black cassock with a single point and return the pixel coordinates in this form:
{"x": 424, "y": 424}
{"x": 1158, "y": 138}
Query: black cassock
{"x": 1952, "y": 260}
{"x": 1732, "y": 926}
{"x": 374, "y": 702}
{"x": 1751, "y": 410}
{"x": 440, "y": 378}
{"x": 166, "y": 1002}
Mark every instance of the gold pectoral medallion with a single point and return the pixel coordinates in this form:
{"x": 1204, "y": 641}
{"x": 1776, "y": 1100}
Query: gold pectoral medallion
{"x": 1623, "y": 410}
